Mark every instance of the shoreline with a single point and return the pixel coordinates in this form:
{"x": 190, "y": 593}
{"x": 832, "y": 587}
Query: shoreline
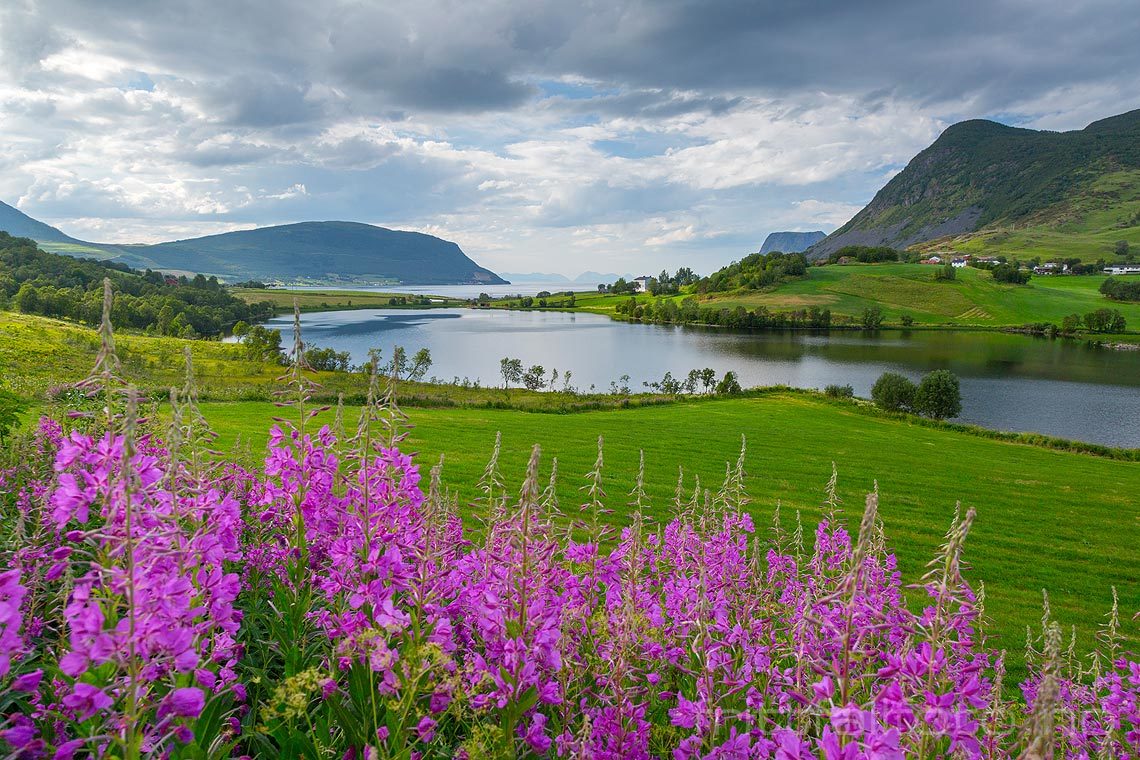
{"x": 1119, "y": 341}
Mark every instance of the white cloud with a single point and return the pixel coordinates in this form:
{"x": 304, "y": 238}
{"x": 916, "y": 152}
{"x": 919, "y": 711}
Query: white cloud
{"x": 675, "y": 235}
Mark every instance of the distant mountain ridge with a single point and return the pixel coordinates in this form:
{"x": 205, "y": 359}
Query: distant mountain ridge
{"x": 18, "y": 224}
{"x": 306, "y": 251}
{"x": 791, "y": 242}
{"x": 981, "y": 174}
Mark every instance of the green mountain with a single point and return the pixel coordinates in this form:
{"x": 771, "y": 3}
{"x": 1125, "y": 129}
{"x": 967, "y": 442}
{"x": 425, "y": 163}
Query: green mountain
{"x": 18, "y": 224}
{"x": 984, "y": 179}
{"x": 791, "y": 242}
{"x": 308, "y": 251}
{"x": 321, "y": 251}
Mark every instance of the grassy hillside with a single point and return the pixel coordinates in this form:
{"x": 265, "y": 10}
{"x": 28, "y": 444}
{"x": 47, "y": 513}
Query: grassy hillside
{"x": 1075, "y": 515}
{"x": 981, "y": 175}
{"x": 973, "y": 299}
{"x": 1086, "y": 226}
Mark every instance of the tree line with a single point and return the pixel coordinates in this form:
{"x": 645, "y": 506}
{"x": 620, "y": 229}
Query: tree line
{"x": 690, "y": 311}
{"x": 1121, "y": 290}
{"x": 263, "y": 344}
{"x": 33, "y": 281}
{"x": 535, "y": 378}
{"x": 664, "y": 284}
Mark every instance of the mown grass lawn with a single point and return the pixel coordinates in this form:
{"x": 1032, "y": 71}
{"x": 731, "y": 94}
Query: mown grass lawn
{"x": 1068, "y": 523}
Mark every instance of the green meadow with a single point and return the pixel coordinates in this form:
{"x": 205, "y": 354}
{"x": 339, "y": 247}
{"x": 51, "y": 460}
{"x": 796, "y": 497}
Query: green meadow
{"x": 972, "y": 299}
{"x": 1060, "y": 521}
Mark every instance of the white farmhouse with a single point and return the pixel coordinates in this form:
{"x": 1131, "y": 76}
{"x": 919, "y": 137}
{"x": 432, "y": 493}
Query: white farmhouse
{"x": 959, "y": 263}
{"x": 641, "y": 284}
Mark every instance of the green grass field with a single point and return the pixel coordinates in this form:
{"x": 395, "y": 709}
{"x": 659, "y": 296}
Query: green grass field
{"x": 1051, "y": 520}
{"x": 973, "y": 299}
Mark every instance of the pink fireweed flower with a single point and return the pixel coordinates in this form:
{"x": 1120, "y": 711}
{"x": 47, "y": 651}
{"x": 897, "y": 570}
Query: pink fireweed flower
{"x": 186, "y": 702}
{"x": 85, "y": 700}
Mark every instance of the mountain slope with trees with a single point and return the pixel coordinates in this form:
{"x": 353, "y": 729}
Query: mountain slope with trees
{"x": 33, "y": 281}
{"x": 313, "y": 251}
{"x": 983, "y": 177}
{"x": 324, "y": 251}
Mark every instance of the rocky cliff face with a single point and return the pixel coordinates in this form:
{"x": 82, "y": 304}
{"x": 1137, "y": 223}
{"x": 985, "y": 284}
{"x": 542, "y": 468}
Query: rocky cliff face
{"x": 791, "y": 242}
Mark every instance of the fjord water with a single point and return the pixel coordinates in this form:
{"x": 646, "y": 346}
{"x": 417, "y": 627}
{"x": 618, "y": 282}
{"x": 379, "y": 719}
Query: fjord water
{"x": 1063, "y": 388}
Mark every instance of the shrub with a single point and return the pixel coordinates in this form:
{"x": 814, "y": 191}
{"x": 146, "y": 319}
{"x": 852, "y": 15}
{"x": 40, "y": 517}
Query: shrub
{"x": 872, "y": 318}
{"x": 1011, "y": 274}
{"x": 327, "y": 359}
{"x": 906, "y": 320}
{"x": 893, "y": 392}
{"x": 839, "y": 391}
{"x": 865, "y": 254}
{"x": 939, "y": 395}
{"x": 728, "y": 384}
{"x": 1105, "y": 321}
{"x": 1121, "y": 290}
{"x": 945, "y": 273}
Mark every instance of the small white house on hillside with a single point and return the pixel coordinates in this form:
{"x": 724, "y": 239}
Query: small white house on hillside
{"x": 641, "y": 284}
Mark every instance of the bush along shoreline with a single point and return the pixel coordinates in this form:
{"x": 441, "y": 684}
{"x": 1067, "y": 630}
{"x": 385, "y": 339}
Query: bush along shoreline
{"x": 159, "y": 600}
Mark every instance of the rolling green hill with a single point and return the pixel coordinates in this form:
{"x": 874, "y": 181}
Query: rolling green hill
{"x": 1026, "y": 192}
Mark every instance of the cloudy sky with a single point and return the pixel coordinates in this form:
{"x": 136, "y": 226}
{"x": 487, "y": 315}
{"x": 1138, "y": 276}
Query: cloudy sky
{"x": 541, "y": 135}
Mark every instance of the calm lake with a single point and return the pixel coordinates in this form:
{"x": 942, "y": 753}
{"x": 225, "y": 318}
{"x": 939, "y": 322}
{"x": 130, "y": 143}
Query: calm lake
{"x": 1009, "y": 382}
{"x": 464, "y": 291}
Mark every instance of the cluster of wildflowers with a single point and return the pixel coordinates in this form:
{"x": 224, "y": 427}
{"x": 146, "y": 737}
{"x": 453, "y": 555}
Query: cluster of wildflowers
{"x": 328, "y": 604}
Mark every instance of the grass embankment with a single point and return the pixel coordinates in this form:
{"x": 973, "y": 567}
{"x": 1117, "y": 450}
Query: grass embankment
{"x": 1065, "y": 522}
{"x": 972, "y": 300}
{"x": 330, "y": 300}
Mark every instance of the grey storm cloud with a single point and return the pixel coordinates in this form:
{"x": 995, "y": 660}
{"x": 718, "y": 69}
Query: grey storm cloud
{"x": 479, "y": 56}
